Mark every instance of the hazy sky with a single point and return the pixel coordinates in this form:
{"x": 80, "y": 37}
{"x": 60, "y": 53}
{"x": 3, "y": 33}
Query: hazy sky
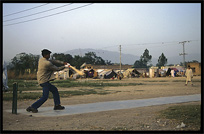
{"x": 103, "y": 26}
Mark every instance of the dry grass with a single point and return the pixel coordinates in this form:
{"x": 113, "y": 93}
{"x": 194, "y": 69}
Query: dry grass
{"x": 26, "y": 76}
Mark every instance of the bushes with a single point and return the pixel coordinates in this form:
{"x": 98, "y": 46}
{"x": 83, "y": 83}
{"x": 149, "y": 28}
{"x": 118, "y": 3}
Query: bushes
{"x": 25, "y": 76}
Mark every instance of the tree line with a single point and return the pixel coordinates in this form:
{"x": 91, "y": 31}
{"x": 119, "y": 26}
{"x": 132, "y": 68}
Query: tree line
{"x": 27, "y": 63}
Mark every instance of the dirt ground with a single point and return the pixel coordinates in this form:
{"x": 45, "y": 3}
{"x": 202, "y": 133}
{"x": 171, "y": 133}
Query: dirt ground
{"x": 135, "y": 119}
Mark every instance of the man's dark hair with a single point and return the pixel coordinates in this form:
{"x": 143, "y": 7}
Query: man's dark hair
{"x": 45, "y": 52}
{"x": 189, "y": 66}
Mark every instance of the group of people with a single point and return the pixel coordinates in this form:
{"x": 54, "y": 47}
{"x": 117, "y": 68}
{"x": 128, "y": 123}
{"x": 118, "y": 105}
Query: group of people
{"x": 45, "y": 74}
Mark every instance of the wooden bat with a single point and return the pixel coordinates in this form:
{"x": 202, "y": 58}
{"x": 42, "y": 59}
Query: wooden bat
{"x": 76, "y": 70}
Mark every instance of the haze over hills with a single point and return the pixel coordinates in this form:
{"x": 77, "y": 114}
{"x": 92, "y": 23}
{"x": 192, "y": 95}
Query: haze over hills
{"x": 130, "y": 59}
{"x": 112, "y": 56}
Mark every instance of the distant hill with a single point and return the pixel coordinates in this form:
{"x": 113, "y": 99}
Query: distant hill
{"x": 112, "y": 56}
{"x": 130, "y": 59}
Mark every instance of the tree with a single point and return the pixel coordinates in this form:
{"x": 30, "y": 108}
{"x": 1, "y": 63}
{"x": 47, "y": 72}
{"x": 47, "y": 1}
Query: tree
{"x": 108, "y": 62}
{"x": 91, "y": 58}
{"x": 139, "y": 64}
{"x": 77, "y": 61}
{"x": 162, "y": 60}
{"x": 24, "y": 61}
{"x": 144, "y": 60}
{"x": 63, "y": 57}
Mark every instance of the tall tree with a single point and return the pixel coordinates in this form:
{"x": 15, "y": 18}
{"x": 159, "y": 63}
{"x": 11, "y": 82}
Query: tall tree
{"x": 144, "y": 60}
{"x": 162, "y": 60}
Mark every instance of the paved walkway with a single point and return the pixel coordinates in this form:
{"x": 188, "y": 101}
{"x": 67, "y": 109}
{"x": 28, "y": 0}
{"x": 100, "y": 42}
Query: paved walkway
{"x": 110, "y": 105}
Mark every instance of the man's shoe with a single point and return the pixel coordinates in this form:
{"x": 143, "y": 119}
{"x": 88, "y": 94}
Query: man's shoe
{"x": 32, "y": 109}
{"x": 59, "y": 107}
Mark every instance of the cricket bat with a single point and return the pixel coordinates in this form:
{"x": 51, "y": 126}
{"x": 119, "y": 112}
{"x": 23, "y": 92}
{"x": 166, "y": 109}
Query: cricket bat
{"x": 76, "y": 70}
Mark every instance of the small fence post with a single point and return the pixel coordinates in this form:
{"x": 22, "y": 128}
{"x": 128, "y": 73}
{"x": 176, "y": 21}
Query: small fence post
{"x": 14, "y": 104}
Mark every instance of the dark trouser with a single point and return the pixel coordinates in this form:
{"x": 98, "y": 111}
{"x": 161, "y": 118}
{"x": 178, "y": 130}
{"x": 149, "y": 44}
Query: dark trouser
{"x": 46, "y": 88}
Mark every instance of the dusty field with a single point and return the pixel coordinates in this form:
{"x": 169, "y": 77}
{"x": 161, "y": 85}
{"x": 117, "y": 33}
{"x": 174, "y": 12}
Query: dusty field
{"x": 143, "y": 118}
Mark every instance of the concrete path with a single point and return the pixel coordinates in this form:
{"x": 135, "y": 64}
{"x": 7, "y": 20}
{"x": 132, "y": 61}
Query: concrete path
{"x": 110, "y": 105}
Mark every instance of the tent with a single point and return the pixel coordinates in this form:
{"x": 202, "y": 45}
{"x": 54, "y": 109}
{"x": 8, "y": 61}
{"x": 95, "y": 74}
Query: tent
{"x": 131, "y": 72}
{"x": 90, "y": 73}
{"x": 110, "y": 74}
{"x": 102, "y": 73}
{"x": 168, "y": 73}
{"x": 162, "y": 73}
{"x": 107, "y": 74}
{"x": 63, "y": 74}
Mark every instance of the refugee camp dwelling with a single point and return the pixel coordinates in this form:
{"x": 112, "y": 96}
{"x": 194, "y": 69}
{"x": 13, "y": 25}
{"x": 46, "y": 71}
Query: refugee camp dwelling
{"x": 196, "y": 67}
{"x": 86, "y": 66}
{"x": 176, "y": 69}
{"x": 131, "y": 73}
{"x": 153, "y": 72}
{"x": 63, "y": 74}
{"x": 144, "y": 72}
{"x": 106, "y": 74}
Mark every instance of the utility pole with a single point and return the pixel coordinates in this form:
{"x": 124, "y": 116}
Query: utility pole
{"x": 183, "y": 43}
{"x": 120, "y": 59}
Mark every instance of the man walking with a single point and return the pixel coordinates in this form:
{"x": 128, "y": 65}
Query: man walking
{"x": 45, "y": 74}
{"x": 189, "y": 75}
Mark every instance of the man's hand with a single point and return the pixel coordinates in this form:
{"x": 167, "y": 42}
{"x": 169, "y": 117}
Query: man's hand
{"x": 67, "y": 65}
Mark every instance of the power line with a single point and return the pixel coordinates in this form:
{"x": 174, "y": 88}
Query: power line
{"x": 25, "y": 10}
{"x": 153, "y": 43}
{"x": 143, "y": 44}
{"x": 48, "y": 15}
{"x": 38, "y": 13}
{"x": 157, "y": 43}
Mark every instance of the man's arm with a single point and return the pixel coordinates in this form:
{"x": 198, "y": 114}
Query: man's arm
{"x": 55, "y": 68}
{"x": 57, "y": 62}
{"x": 191, "y": 73}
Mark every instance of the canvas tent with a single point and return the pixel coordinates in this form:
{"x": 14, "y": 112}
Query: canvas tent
{"x": 63, "y": 74}
{"x": 106, "y": 74}
{"x": 162, "y": 73}
{"x": 110, "y": 74}
{"x": 131, "y": 72}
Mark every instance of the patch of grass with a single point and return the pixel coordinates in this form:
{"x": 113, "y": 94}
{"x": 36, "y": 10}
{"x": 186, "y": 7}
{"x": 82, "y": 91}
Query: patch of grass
{"x": 156, "y": 81}
{"x": 185, "y": 80}
{"x": 188, "y": 114}
{"x": 138, "y": 90}
{"x": 23, "y": 83}
{"x": 23, "y": 96}
{"x": 28, "y": 85}
{"x": 91, "y": 84}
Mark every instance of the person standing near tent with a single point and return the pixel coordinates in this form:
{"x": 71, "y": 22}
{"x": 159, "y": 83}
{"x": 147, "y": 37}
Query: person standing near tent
{"x": 189, "y": 75}
{"x": 172, "y": 72}
{"x": 45, "y": 74}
